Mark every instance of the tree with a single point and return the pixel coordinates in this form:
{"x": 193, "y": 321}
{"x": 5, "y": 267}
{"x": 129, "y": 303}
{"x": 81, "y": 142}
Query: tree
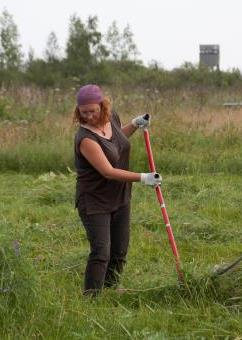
{"x": 128, "y": 46}
{"x": 31, "y": 56}
{"x": 113, "y": 39}
{"x": 78, "y": 50}
{"x": 98, "y": 49}
{"x": 84, "y": 46}
{"x": 121, "y": 45}
{"x": 10, "y": 49}
{"x": 52, "y": 52}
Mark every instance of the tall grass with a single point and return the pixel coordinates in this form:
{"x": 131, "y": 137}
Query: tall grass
{"x": 191, "y": 132}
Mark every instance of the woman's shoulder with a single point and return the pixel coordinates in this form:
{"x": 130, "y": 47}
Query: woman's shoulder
{"x": 115, "y": 118}
{"x": 82, "y": 133}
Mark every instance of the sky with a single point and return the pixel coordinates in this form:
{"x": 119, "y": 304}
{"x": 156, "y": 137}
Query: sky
{"x": 167, "y": 31}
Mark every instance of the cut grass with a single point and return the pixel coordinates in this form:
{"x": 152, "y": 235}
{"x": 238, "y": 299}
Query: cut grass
{"x": 43, "y": 250}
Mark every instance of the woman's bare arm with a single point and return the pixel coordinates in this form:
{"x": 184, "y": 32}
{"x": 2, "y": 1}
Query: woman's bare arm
{"x": 129, "y": 129}
{"x": 96, "y": 157}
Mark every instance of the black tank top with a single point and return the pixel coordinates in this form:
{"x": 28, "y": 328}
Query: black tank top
{"x": 95, "y": 193}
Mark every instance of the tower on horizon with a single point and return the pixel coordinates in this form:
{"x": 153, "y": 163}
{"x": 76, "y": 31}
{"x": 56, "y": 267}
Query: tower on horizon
{"x": 209, "y": 56}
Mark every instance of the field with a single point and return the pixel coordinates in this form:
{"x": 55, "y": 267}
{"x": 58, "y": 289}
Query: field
{"x": 43, "y": 248}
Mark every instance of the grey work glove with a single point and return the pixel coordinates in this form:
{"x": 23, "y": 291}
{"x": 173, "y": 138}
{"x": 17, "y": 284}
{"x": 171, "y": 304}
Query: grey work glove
{"x": 152, "y": 178}
{"x": 140, "y": 121}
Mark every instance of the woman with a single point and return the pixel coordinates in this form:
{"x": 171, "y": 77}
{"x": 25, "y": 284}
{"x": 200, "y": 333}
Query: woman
{"x": 104, "y": 185}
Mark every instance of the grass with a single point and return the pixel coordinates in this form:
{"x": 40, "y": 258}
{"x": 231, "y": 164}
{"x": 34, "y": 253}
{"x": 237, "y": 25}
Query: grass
{"x": 43, "y": 248}
{"x": 187, "y": 137}
{"x": 43, "y": 252}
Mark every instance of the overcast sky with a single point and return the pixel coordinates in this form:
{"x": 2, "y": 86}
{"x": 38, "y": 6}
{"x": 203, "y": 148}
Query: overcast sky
{"x": 168, "y": 31}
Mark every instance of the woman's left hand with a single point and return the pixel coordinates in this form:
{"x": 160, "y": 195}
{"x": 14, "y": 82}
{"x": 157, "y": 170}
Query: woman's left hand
{"x": 142, "y": 121}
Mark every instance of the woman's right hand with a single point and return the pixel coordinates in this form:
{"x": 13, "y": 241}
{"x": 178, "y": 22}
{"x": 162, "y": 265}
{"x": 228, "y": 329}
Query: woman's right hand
{"x": 142, "y": 121}
{"x": 151, "y": 178}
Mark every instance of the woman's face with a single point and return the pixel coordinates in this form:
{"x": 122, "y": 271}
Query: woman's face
{"x": 90, "y": 113}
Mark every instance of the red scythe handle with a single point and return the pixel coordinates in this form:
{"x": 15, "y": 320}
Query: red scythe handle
{"x": 162, "y": 206}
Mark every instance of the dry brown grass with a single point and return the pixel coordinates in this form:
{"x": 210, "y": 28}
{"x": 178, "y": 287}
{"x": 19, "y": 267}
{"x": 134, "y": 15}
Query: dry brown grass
{"x": 168, "y": 110}
{"x": 209, "y": 120}
{"x": 12, "y": 133}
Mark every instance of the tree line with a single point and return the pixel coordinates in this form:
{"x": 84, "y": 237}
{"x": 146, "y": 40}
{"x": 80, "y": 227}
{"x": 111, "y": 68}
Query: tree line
{"x": 91, "y": 56}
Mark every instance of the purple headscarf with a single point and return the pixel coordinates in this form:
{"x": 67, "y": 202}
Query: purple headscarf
{"x": 89, "y": 94}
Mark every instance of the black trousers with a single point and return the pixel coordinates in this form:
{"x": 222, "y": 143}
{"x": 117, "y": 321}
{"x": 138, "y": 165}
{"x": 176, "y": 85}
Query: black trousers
{"x": 108, "y": 235}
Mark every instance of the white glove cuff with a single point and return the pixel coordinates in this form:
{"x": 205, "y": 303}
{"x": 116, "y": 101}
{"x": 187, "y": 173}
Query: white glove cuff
{"x": 143, "y": 178}
{"x": 133, "y": 122}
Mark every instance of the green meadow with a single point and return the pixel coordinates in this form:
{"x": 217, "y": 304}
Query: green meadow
{"x": 197, "y": 147}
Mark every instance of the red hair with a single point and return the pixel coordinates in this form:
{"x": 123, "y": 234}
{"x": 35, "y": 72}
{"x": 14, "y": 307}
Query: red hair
{"x": 105, "y": 106}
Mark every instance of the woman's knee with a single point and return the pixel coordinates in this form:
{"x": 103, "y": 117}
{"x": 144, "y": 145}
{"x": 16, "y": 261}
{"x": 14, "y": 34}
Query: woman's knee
{"x": 100, "y": 253}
